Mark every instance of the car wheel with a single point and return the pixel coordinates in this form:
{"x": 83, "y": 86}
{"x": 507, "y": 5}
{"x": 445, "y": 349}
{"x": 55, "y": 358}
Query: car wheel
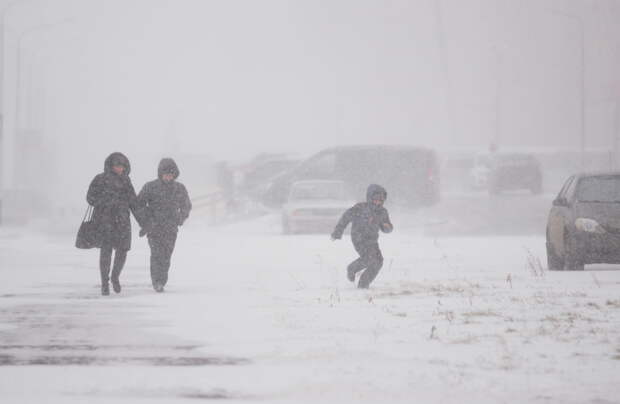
{"x": 572, "y": 260}
{"x": 554, "y": 262}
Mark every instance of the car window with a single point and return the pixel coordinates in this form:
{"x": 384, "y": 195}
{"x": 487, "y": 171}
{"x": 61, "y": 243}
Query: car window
{"x": 515, "y": 160}
{"x": 359, "y": 164}
{"x": 317, "y": 191}
{"x": 565, "y": 187}
{"x": 569, "y": 194}
{"x": 599, "y": 189}
{"x": 322, "y": 167}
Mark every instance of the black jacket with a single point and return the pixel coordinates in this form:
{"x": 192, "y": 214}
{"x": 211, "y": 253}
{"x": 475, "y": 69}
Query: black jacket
{"x": 112, "y": 197}
{"x": 366, "y": 218}
{"x": 166, "y": 204}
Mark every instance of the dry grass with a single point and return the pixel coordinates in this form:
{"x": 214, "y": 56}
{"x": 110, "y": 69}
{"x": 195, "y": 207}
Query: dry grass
{"x": 481, "y": 313}
{"x": 534, "y": 264}
{"x": 613, "y": 303}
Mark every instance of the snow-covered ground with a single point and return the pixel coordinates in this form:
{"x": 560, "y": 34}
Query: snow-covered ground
{"x": 250, "y": 314}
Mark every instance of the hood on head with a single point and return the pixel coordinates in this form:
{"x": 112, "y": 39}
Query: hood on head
{"x": 375, "y": 189}
{"x": 167, "y": 166}
{"x": 116, "y": 159}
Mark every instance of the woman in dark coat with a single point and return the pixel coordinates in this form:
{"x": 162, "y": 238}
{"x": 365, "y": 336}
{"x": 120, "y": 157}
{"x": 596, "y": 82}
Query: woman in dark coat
{"x": 112, "y": 195}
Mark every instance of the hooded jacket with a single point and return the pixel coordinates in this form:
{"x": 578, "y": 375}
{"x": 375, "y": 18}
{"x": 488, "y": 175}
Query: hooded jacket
{"x": 166, "y": 204}
{"x": 366, "y": 219}
{"x": 113, "y": 197}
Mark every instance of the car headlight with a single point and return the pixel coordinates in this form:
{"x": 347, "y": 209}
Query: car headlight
{"x": 589, "y": 225}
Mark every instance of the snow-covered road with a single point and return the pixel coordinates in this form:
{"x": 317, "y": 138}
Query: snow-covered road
{"x": 250, "y": 314}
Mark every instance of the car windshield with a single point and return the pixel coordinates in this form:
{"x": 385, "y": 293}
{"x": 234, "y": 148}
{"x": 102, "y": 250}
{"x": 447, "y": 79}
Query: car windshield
{"x": 599, "y": 189}
{"x": 318, "y": 191}
{"x": 514, "y": 160}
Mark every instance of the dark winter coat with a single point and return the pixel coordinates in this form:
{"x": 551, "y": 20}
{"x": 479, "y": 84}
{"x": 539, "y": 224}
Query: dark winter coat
{"x": 366, "y": 218}
{"x": 112, "y": 197}
{"x": 166, "y": 204}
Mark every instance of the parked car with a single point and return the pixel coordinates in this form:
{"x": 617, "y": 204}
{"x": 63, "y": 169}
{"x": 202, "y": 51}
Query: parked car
{"x": 314, "y": 206}
{"x": 259, "y": 173}
{"x": 511, "y": 171}
{"x": 410, "y": 174}
{"x": 479, "y": 173}
{"x": 584, "y": 222}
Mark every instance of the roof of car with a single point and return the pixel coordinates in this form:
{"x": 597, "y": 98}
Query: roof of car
{"x": 381, "y": 146}
{"x": 304, "y": 182}
{"x": 598, "y": 173}
{"x": 511, "y": 154}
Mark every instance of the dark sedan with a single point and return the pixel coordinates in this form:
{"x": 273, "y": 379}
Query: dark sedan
{"x": 584, "y": 222}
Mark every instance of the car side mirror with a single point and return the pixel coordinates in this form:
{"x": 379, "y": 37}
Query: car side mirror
{"x": 562, "y": 201}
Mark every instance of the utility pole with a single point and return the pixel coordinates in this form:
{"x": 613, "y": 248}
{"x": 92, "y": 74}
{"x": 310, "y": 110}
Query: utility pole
{"x": 582, "y": 82}
{"x": 443, "y": 56}
{"x": 616, "y": 134}
{"x": 3, "y": 13}
{"x": 583, "y": 94}
{"x": 19, "y": 61}
{"x": 497, "y": 136}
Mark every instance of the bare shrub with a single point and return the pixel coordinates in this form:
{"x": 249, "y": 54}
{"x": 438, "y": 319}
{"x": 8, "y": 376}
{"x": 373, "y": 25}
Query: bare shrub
{"x": 534, "y": 264}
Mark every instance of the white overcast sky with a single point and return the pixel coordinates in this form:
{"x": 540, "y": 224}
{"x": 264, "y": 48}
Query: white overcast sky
{"x": 233, "y": 78}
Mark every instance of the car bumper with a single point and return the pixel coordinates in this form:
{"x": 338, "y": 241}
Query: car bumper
{"x": 598, "y": 248}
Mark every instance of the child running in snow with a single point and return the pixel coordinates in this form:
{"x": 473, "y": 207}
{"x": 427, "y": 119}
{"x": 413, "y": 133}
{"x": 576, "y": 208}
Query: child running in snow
{"x": 367, "y": 219}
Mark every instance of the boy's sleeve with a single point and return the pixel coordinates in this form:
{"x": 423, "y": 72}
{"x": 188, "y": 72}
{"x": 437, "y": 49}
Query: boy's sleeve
{"x": 134, "y": 204}
{"x": 142, "y": 196}
{"x": 143, "y": 199}
{"x": 343, "y": 223}
{"x": 385, "y": 224}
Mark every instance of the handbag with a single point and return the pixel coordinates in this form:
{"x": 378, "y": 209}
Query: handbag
{"x": 87, "y": 236}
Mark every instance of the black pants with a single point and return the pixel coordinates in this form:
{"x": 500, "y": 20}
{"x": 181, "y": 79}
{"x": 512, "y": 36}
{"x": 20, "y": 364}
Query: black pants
{"x": 105, "y": 259}
{"x": 370, "y": 259}
{"x": 162, "y": 246}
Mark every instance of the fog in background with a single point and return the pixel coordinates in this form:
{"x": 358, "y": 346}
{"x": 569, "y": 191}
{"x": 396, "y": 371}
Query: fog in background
{"x": 208, "y": 81}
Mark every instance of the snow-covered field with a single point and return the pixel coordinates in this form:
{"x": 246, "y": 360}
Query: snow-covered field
{"x": 250, "y": 314}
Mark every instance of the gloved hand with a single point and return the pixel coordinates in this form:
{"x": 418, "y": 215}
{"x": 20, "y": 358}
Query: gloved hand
{"x": 335, "y": 237}
{"x": 386, "y": 227}
{"x": 142, "y": 232}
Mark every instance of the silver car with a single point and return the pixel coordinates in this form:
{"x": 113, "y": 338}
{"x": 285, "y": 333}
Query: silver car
{"x": 314, "y": 206}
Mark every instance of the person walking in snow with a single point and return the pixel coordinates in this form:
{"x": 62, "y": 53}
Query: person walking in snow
{"x": 112, "y": 196}
{"x": 166, "y": 206}
{"x": 367, "y": 219}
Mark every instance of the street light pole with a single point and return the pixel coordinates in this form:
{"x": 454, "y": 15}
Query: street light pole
{"x": 3, "y": 14}
{"x": 583, "y": 94}
{"x": 582, "y": 82}
{"x": 443, "y": 58}
{"x": 497, "y": 136}
{"x": 616, "y": 133}
{"x": 18, "y": 130}
{"x": 18, "y": 72}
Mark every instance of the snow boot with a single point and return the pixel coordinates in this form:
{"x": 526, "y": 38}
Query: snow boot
{"x": 105, "y": 289}
{"x": 116, "y": 285}
{"x": 350, "y": 275}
